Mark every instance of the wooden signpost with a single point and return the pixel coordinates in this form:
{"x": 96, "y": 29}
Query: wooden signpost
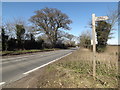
{"x": 94, "y": 19}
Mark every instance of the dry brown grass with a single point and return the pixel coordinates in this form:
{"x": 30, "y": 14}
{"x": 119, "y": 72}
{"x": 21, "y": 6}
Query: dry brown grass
{"x": 77, "y": 69}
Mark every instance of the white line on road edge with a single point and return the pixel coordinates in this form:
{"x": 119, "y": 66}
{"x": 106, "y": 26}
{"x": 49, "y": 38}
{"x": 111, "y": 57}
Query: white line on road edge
{"x": 46, "y": 64}
{"x": 2, "y": 83}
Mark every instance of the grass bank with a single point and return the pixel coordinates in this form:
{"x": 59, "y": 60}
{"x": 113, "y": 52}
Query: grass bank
{"x": 4, "y": 53}
{"x": 75, "y": 71}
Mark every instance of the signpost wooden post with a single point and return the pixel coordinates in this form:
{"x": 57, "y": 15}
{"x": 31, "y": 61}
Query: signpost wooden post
{"x": 94, "y": 19}
{"x": 94, "y": 44}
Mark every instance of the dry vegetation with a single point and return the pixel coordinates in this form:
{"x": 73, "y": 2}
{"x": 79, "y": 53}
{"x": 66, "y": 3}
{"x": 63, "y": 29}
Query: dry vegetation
{"x": 75, "y": 71}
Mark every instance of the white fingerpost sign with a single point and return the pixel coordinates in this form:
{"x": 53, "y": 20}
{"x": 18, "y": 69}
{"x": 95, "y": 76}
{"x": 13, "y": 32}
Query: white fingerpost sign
{"x": 102, "y": 18}
{"x": 93, "y": 41}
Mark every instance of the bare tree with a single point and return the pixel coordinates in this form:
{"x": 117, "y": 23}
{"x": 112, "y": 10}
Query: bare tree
{"x": 85, "y": 39}
{"x": 113, "y": 15}
{"x": 50, "y": 20}
{"x": 70, "y": 36}
{"x": 113, "y": 18}
{"x": 10, "y": 26}
{"x": 16, "y": 29}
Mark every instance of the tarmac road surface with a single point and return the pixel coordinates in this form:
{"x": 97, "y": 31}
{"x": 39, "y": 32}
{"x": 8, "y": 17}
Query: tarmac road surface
{"x": 16, "y": 67}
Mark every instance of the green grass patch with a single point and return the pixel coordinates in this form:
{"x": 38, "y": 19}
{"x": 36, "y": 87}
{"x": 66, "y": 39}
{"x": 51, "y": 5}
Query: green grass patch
{"x": 4, "y": 53}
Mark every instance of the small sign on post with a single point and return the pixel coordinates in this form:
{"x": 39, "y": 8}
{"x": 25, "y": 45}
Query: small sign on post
{"x": 92, "y": 42}
{"x": 102, "y": 18}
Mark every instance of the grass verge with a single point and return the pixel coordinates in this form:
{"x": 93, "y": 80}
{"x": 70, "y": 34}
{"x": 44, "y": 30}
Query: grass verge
{"x": 75, "y": 71}
{"x": 4, "y": 53}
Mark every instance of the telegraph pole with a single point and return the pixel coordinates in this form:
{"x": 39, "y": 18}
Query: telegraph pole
{"x": 94, "y": 45}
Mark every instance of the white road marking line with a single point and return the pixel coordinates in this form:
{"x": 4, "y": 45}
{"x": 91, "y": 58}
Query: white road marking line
{"x": 46, "y": 64}
{"x": 2, "y": 83}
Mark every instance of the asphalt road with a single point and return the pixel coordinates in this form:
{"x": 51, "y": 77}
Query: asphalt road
{"x": 16, "y": 67}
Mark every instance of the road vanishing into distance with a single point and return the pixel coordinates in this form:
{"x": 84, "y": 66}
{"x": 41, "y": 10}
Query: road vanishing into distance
{"x": 18, "y": 66}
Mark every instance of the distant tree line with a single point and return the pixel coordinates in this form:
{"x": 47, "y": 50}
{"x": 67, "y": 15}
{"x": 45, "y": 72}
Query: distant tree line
{"x": 11, "y": 44}
{"x": 48, "y": 23}
{"x": 29, "y": 42}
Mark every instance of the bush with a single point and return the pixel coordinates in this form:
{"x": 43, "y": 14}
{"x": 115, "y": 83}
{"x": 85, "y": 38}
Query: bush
{"x": 47, "y": 45}
{"x": 103, "y": 34}
{"x": 11, "y": 44}
{"x": 85, "y": 39}
{"x": 100, "y": 48}
{"x": 61, "y": 45}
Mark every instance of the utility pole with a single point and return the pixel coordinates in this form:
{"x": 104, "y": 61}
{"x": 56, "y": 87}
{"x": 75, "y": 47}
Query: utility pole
{"x": 94, "y": 45}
